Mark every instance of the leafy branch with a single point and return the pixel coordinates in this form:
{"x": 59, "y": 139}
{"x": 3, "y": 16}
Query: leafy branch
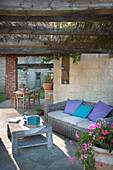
{"x": 75, "y": 57}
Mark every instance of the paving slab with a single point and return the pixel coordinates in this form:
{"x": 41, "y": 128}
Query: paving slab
{"x": 33, "y": 158}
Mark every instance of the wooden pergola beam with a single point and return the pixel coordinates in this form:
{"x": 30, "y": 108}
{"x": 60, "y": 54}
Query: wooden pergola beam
{"x": 68, "y": 18}
{"x": 45, "y": 31}
{"x": 49, "y": 50}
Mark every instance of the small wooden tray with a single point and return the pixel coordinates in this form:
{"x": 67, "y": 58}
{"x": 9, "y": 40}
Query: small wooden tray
{"x": 31, "y": 126}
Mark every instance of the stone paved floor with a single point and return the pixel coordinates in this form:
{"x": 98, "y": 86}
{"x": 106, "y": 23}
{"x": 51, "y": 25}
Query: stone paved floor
{"x": 33, "y": 158}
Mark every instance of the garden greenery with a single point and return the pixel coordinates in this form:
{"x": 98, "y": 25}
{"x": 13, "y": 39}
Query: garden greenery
{"x": 75, "y": 57}
{"x": 38, "y": 110}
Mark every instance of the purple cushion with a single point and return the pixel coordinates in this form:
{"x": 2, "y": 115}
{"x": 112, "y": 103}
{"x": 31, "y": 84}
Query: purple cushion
{"x": 72, "y": 106}
{"x": 100, "y": 110}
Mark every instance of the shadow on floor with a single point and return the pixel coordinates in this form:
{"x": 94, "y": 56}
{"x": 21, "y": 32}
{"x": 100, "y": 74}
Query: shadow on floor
{"x": 40, "y": 158}
{"x": 6, "y": 162}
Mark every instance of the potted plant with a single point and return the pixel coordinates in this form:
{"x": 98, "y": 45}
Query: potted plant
{"x": 39, "y": 111}
{"x": 48, "y": 83}
{"x": 93, "y": 147}
{"x": 23, "y": 87}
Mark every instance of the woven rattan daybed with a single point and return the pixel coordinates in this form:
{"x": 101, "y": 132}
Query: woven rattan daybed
{"x": 66, "y": 124}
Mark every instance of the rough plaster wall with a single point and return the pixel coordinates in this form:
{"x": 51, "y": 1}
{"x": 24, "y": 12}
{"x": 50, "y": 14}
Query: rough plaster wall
{"x": 91, "y": 79}
{"x": 2, "y": 74}
{"x": 30, "y": 78}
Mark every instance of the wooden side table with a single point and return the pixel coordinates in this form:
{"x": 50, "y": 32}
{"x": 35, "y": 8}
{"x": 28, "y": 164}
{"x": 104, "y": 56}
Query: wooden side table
{"x": 21, "y": 140}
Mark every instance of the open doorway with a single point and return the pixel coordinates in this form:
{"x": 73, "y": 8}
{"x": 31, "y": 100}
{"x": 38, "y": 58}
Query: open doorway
{"x": 38, "y": 81}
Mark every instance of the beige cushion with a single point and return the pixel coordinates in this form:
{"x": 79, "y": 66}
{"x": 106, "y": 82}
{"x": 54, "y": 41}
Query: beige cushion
{"x": 85, "y": 125}
{"x": 57, "y": 114}
{"x": 73, "y": 119}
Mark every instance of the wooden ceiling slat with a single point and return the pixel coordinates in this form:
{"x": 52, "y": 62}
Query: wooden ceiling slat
{"x": 51, "y": 50}
{"x": 22, "y": 29}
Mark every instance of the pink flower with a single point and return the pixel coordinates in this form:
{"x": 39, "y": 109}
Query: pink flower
{"x": 96, "y": 164}
{"x": 92, "y": 127}
{"x": 112, "y": 141}
{"x": 70, "y": 159}
{"x": 98, "y": 125}
{"x": 93, "y": 136}
{"x": 102, "y": 137}
{"x": 82, "y": 156}
{"x": 99, "y": 164}
{"x": 90, "y": 133}
{"x": 87, "y": 130}
{"x": 71, "y": 142}
{"x": 112, "y": 125}
{"x": 78, "y": 147}
{"x": 76, "y": 135}
{"x": 85, "y": 156}
{"x": 75, "y": 159}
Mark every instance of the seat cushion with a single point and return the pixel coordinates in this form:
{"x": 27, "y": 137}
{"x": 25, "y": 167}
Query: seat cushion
{"x": 85, "y": 124}
{"x": 100, "y": 110}
{"x": 72, "y": 106}
{"x": 83, "y": 111}
{"x": 73, "y": 120}
{"x": 57, "y": 114}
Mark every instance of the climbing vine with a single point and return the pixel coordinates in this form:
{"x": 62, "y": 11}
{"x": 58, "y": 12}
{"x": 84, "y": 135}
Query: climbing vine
{"x": 75, "y": 57}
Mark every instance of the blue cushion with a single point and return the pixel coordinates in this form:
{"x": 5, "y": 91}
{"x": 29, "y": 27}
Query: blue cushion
{"x": 83, "y": 111}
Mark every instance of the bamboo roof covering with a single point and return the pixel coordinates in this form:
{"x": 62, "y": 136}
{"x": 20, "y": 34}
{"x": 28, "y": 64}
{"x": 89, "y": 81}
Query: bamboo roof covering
{"x": 75, "y": 35}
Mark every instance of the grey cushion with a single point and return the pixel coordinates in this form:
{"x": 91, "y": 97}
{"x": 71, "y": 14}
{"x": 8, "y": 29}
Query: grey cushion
{"x": 58, "y": 114}
{"x": 74, "y": 120}
{"x": 85, "y": 125}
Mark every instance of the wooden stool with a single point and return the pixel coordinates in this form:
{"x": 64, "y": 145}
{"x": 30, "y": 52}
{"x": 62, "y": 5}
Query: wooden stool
{"x": 36, "y": 95}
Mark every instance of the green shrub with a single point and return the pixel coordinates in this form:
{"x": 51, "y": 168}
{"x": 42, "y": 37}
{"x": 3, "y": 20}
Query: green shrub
{"x": 38, "y": 110}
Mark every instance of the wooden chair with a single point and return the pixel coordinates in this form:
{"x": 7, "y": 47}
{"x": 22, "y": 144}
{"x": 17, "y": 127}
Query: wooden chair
{"x": 36, "y": 96}
{"x": 12, "y": 97}
{"x": 20, "y": 100}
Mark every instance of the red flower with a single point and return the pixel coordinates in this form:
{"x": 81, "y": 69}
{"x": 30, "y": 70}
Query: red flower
{"x": 102, "y": 137}
{"x": 104, "y": 132}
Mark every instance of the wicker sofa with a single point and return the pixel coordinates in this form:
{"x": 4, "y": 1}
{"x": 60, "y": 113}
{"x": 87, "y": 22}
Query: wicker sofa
{"x": 66, "y": 124}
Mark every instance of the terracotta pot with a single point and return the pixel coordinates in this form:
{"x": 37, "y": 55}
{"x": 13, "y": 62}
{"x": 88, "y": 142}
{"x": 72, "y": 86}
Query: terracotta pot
{"x": 39, "y": 113}
{"x": 87, "y": 168}
{"x": 104, "y": 157}
{"x": 48, "y": 86}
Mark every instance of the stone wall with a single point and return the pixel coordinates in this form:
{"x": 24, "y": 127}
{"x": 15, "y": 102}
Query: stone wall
{"x": 29, "y": 78}
{"x": 2, "y": 74}
{"x": 91, "y": 79}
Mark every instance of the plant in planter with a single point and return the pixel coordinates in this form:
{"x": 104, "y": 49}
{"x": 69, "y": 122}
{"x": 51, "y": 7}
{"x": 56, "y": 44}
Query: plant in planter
{"x": 23, "y": 87}
{"x": 39, "y": 111}
{"x": 97, "y": 137}
{"x": 48, "y": 83}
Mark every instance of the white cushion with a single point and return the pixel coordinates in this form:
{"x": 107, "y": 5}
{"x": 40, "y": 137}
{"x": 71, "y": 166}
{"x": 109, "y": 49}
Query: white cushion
{"x": 57, "y": 114}
{"x": 85, "y": 125}
{"x": 73, "y": 119}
